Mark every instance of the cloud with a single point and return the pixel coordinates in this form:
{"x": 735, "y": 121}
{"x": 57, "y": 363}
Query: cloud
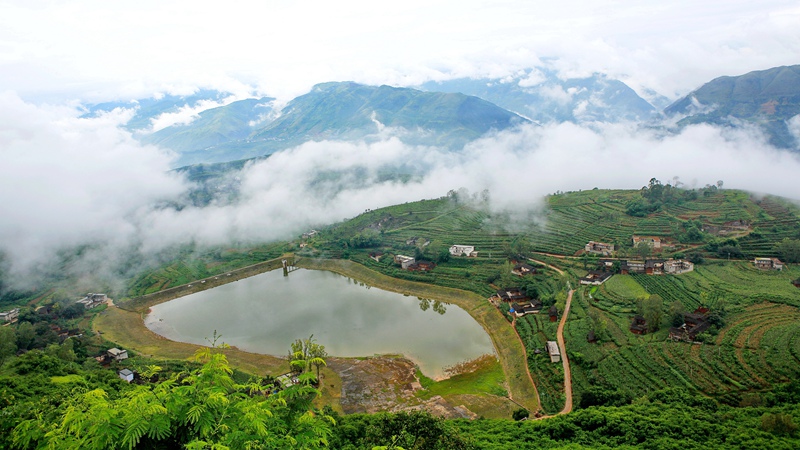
{"x": 70, "y": 183}
{"x": 186, "y": 114}
{"x": 67, "y": 181}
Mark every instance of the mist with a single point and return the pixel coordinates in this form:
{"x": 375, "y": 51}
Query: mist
{"x": 71, "y": 183}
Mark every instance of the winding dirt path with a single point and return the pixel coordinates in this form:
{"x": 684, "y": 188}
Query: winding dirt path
{"x": 560, "y": 272}
{"x": 561, "y": 345}
{"x": 564, "y": 359}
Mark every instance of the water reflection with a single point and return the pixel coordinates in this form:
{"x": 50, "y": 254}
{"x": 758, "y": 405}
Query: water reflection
{"x": 267, "y": 312}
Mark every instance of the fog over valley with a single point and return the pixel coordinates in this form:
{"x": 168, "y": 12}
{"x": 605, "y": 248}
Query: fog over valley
{"x": 71, "y": 182}
{"x": 593, "y": 78}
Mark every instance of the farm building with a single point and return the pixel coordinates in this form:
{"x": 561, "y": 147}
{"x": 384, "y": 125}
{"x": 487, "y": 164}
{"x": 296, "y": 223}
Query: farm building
{"x": 652, "y": 241}
{"x": 606, "y": 265}
{"x": 9, "y": 316}
{"x": 654, "y": 266}
{"x": 421, "y": 266}
{"x": 596, "y": 278}
{"x": 117, "y": 354}
{"x": 768, "y": 263}
{"x": 376, "y": 256}
{"x": 523, "y": 269}
{"x": 796, "y": 283}
{"x": 591, "y": 337}
{"x": 463, "y": 250}
{"x": 631, "y": 266}
{"x": 404, "y": 261}
{"x": 521, "y": 309}
{"x": 555, "y": 353}
{"x": 553, "y": 313}
{"x": 602, "y": 248}
{"x": 92, "y": 300}
{"x": 638, "y": 325}
{"x": 693, "y": 324}
{"x": 126, "y": 374}
{"x": 677, "y": 266}
{"x": 511, "y": 295}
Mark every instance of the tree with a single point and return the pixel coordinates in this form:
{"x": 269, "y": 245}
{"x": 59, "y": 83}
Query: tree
{"x": 203, "y": 408}
{"x": 643, "y": 250}
{"x": 789, "y": 250}
{"x": 26, "y": 336}
{"x": 8, "y": 343}
{"x": 520, "y": 414}
{"x": 676, "y": 312}
{"x": 651, "y": 310}
{"x": 306, "y": 353}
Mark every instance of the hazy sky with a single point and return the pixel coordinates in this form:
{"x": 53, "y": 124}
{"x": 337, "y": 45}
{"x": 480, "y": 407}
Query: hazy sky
{"x": 67, "y": 181}
{"x": 99, "y": 49}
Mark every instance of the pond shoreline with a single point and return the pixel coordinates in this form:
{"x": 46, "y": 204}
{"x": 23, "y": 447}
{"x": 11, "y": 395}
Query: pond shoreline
{"x": 504, "y": 339}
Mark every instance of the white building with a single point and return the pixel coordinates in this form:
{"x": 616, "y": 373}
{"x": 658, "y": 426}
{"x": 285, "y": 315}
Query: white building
{"x": 9, "y": 316}
{"x": 117, "y": 354}
{"x": 92, "y": 300}
{"x": 126, "y": 375}
{"x": 555, "y": 353}
{"x": 463, "y": 250}
{"x": 404, "y": 261}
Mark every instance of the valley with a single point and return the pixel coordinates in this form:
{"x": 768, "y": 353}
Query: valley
{"x": 751, "y": 351}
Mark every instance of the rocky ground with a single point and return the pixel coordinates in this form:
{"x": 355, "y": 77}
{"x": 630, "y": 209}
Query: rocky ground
{"x": 387, "y": 383}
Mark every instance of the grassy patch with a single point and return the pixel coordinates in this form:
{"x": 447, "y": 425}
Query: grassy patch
{"x": 67, "y": 379}
{"x": 625, "y": 287}
{"x": 485, "y": 375}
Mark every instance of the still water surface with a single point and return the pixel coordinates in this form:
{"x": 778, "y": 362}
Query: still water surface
{"x": 267, "y": 312}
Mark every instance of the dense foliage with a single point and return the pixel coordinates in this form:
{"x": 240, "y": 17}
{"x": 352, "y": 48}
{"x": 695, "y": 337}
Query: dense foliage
{"x": 196, "y": 409}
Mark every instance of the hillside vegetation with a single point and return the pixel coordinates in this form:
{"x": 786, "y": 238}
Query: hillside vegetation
{"x": 739, "y": 366}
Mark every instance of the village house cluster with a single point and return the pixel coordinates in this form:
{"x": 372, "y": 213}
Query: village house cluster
{"x": 93, "y": 300}
{"x": 9, "y": 316}
{"x": 693, "y": 324}
{"x": 655, "y": 266}
{"x": 768, "y": 263}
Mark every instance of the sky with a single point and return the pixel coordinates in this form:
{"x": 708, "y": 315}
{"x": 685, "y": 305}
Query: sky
{"x": 68, "y": 182}
{"x": 96, "y": 50}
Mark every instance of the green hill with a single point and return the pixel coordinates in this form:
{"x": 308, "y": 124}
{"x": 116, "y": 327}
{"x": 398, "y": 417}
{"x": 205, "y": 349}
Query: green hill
{"x": 767, "y": 98}
{"x": 213, "y": 127}
{"x": 349, "y": 111}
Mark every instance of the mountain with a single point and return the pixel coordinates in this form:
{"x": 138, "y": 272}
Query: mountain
{"x": 213, "y": 127}
{"x": 541, "y": 96}
{"x": 148, "y": 109}
{"x": 344, "y": 110}
{"x": 767, "y": 98}
{"x": 336, "y": 111}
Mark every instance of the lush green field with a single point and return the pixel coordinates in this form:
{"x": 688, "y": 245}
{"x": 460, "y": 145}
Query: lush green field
{"x": 756, "y": 348}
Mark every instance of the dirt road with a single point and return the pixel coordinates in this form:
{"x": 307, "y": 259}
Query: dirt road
{"x": 564, "y": 359}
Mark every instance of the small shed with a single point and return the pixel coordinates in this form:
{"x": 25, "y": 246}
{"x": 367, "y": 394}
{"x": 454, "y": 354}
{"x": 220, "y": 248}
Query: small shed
{"x": 553, "y": 313}
{"x": 117, "y": 354}
{"x": 555, "y": 353}
{"x": 126, "y": 374}
{"x": 638, "y": 325}
{"x": 591, "y": 337}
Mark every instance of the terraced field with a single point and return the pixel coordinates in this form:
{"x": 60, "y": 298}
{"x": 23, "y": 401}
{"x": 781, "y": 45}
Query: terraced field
{"x": 758, "y": 346}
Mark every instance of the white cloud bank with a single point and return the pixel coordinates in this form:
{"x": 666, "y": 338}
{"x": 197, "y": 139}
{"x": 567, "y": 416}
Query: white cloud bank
{"x": 67, "y": 182}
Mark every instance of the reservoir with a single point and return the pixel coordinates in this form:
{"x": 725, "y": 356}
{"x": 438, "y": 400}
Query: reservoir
{"x": 267, "y": 312}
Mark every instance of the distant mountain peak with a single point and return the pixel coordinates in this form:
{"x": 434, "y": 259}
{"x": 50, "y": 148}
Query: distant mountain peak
{"x": 766, "y": 98}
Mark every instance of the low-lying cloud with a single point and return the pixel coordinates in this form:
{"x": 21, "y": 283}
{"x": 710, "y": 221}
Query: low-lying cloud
{"x": 69, "y": 182}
